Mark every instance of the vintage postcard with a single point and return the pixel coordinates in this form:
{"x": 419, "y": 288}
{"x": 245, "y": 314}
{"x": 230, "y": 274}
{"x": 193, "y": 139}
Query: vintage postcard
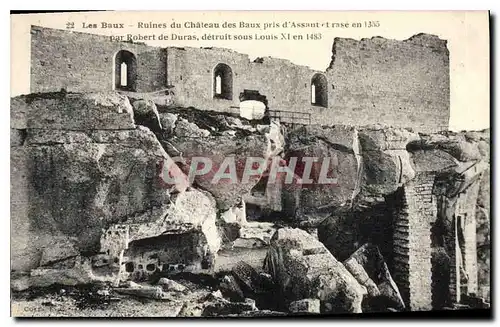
{"x": 250, "y": 164}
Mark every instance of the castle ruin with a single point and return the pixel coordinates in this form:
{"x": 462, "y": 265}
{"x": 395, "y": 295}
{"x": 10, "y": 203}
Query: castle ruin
{"x": 372, "y": 81}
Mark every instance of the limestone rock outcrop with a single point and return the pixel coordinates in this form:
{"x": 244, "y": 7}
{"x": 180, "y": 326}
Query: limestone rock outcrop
{"x": 304, "y": 269}
{"x": 340, "y": 234}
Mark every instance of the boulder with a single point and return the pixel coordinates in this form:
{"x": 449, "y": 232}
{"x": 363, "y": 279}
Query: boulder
{"x": 255, "y": 235}
{"x": 167, "y": 121}
{"x": 385, "y": 171}
{"x": 259, "y": 313}
{"x": 369, "y": 268}
{"x": 146, "y": 114}
{"x": 185, "y": 239}
{"x": 250, "y": 280}
{"x": 217, "y": 163}
{"x": 222, "y": 307}
{"x": 432, "y": 160}
{"x": 441, "y": 264}
{"x": 337, "y": 152}
{"x": 461, "y": 146}
{"x": 304, "y": 269}
{"x": 171, "y": 285}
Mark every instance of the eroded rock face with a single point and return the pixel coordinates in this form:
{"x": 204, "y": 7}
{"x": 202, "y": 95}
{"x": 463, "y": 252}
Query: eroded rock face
{"x": 305, "y": 306}
{"x": 72, "y": 111}
{"x": 76, "y": 188}
{"x": 386, "y": 163}
{"x": 83, "y": 167}
{"x": 483, "y": 236}
{"x": 340, "y": 235}
{"x": 89, "y": 201}
{"x": 303, "y": 268}
{"x": 184, "y": 239}
{"x": 462, "y": 146}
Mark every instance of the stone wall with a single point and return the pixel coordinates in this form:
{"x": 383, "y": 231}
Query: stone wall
{"x": 81, "y": 62}
{"x": 372, "y": 81}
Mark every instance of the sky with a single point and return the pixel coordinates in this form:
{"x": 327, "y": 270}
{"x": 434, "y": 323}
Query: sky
{"x": 467, "y": 34}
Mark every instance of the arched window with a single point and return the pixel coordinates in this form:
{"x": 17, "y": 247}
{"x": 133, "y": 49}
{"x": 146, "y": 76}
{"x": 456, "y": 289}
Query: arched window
{"x": 223, "y": 82}
{"x": 125, "y": 71}
{"x": 319, "y": 90}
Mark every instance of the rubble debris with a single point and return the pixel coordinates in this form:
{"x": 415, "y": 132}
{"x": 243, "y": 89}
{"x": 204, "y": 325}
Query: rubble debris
{"x": 185, "y": 240}
{"x": 86, "y": 159}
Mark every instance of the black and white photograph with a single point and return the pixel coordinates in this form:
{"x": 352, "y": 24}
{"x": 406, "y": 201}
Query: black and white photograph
{"x": 250, "y": 164}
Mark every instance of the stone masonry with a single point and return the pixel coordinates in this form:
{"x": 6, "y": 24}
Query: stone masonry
{"x": 371, "y": 81}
